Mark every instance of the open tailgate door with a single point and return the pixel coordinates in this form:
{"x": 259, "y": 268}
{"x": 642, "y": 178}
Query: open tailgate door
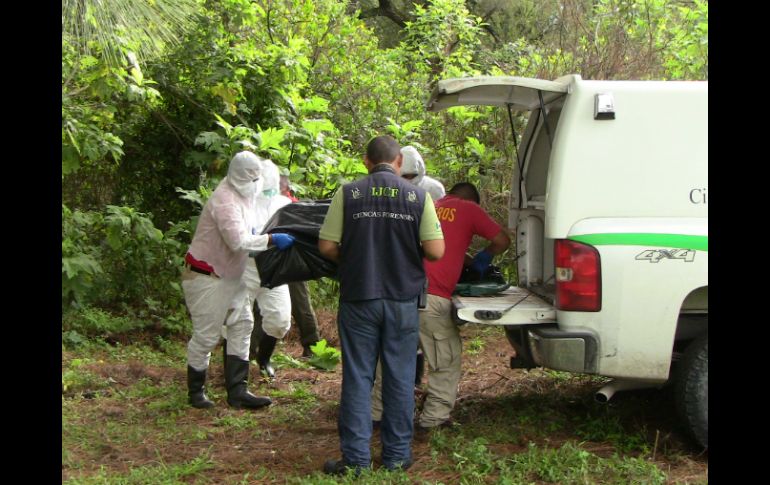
{"x": 514, "y": 306}
{"x": 520, "y": 93}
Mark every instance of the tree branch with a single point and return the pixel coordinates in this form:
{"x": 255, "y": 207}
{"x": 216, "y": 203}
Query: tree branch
{"x": 488, "y": 27}
{"x": 269, "y": 28}
{"x": 178, "y": 134}
{"x": 386, "y": 9}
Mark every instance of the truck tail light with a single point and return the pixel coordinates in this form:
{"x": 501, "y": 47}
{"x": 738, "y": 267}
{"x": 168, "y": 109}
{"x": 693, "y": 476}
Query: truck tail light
{"x": 578, "y": 277}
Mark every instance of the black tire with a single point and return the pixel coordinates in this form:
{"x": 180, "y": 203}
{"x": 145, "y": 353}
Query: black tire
{"x": 692, "y": 390}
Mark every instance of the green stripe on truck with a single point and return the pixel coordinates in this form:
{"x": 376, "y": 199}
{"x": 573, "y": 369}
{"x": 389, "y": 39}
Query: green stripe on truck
{"x": 700, "y": 243}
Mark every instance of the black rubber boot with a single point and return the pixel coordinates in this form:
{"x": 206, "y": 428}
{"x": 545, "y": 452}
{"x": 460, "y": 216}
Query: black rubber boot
{"x": 266, "y": 348}
{"x": 195, "y": 389}
{"x": 306, "y": 350}
{"x": 236, "y": 381}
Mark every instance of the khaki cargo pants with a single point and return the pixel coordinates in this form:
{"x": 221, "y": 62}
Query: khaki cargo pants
{"x": 440, "y": 342}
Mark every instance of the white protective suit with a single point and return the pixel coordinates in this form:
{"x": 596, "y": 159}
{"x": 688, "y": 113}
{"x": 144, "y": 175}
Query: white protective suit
{"x": 414, "y": 164}
{"x": 223, "y": 238}
{"x": 275, "y": 303}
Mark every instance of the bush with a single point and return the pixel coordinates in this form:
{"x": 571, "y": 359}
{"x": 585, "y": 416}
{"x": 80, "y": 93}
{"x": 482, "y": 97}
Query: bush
{"x": 80, "y": 255}
{"x": 119, "y": 260}
{"x": 94, "y": 322}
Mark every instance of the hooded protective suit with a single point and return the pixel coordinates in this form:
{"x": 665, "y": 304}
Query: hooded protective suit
{"x": 414, "y": 164}
{"x": 223, "y": 238}
{"x": 274, "y": 304}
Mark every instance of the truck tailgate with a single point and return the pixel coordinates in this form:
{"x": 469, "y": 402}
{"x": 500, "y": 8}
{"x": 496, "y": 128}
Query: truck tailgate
{"x": 514, "y": 306}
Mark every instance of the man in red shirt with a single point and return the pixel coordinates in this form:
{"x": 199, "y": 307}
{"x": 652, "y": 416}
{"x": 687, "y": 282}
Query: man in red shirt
{"x": 461, "y": 218}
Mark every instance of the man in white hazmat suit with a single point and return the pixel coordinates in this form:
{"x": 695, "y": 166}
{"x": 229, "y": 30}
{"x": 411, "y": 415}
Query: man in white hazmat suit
{"x": 214, "y": 265}
{"x": 274, "y": 304}
{"x": 413, "y": 169}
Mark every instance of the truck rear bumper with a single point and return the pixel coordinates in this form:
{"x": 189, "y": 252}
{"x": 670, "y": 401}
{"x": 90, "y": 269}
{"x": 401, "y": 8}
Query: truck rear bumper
{"x": 548, "y": 346}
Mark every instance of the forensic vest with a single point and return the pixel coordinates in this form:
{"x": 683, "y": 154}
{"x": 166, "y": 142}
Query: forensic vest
{"x": 380, "y": 251}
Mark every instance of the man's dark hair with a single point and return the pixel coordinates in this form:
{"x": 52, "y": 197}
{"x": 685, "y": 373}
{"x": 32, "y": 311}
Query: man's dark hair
{"x": 382, "y": 149}
{"x": 467, "y": 191}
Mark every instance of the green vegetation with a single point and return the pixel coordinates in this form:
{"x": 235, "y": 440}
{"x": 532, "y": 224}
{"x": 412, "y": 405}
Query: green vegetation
{"x": 324, "y": 356}
{"x": 125, "y": 419}
{"x": 281, "y": 360}
{"x": 77, "y": 379}
{"x": 572, "y": 464}
{"x": 474, "y": 346}
{"x": 157, "y": 96}
{"x": 160, "y": 474}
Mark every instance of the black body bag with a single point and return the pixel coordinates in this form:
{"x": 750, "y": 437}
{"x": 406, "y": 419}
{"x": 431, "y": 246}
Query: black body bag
{"x": 302, "y": 261}
{"x": 473, "y": 284}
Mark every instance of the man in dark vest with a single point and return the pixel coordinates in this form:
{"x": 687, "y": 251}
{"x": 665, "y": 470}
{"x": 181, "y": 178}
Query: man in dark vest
{"x": 378, "y": 229}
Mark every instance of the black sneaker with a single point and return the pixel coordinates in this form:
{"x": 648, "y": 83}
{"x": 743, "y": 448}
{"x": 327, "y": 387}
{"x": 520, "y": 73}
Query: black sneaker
{"x": 341, "y": 467}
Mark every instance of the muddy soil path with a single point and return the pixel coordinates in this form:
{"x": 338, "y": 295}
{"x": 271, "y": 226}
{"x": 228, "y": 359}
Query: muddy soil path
{"x": 298, "y": 433}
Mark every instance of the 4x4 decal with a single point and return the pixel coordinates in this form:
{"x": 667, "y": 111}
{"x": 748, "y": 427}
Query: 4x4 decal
{"x": 655, "y": 255}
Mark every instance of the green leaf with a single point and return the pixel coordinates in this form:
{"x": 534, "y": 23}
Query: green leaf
{"x": 324, "y": 357}
{"x": 280, "y": 360}
{"x": 137, "y": 75}
{"x": 209, "y": 139}
{"x": 82, "y": 263}
{"x": 476, "y": 146}
{"x": 88, "y": 61}
{"x": 271, "y": 138}
{"x": 70, "y": 161}
{"x": 314, "y": 127}
{"x": 224, "y": 124}
{"x": 412, "y": 125}
{"x": 316, "y": 104}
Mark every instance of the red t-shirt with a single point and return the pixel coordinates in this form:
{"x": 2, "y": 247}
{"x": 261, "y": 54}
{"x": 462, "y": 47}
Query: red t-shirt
{"x": 460, "y": 220}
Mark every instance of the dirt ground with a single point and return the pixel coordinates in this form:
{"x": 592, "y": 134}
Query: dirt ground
{"x": 292, "y": 449}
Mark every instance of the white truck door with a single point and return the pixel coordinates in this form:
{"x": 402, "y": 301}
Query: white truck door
{"x": 516, "y": 305}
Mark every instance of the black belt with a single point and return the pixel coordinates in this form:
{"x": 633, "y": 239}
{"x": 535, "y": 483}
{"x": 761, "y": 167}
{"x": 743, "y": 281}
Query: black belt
{"x": 201, "y": 271}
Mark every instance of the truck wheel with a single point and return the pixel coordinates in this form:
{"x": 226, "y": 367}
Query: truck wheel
{"x": 692, "y": 390}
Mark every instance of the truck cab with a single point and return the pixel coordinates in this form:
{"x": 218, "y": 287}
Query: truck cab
{"x": 609, "y": 210}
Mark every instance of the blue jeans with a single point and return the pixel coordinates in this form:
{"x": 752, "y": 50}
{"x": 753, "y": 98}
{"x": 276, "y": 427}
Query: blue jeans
{"x": 368, "y": 329}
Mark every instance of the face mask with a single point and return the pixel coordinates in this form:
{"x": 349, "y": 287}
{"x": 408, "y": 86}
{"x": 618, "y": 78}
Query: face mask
{"x": 248, "y": 189}
{"x": 245, "y": 169}
{"x": 245, "y": 189}
{"x": 269, "y": 193}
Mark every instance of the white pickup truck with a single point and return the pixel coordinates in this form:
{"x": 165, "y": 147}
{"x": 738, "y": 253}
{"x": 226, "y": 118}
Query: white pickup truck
{"x": 609, "y": 209}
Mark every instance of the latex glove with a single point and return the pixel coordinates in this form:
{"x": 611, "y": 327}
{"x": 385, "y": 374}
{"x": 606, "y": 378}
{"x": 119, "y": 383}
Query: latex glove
{"x": 282, "y": 241}
{"x": 481, "y": 262}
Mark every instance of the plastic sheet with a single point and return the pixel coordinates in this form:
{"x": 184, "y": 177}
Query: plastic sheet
{"x": 302, "y": 261}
